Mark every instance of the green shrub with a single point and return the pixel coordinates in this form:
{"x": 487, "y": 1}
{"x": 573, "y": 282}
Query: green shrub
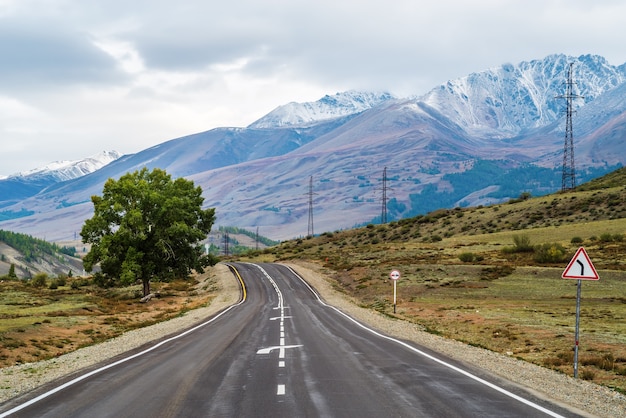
{"x": 576, "y": 240}
{"x": 606, "y": 237}
{"x": 549, "y": 253}
{"x": 61, "y": 280}
{"x": 467, "y": 257}
{"x": 522, "y": 244}
{"x": 39, "y": 280}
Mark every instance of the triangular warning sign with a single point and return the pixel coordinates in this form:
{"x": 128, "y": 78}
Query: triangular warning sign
{"x": 580, "y": 267}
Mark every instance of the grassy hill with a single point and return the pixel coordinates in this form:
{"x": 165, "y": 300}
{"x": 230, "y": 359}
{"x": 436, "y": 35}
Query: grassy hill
{"x": 27, "y": 256}
{"x": 491, "y": 276}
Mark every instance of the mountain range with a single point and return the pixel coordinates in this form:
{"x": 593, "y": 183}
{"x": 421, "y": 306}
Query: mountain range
{"x": 19, "y": 186}
{"x": 481, "y": 139}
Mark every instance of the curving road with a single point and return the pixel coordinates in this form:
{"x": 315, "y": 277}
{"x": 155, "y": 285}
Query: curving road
{"x": 281, "y": 352}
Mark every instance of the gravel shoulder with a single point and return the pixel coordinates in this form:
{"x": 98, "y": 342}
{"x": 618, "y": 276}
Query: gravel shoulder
{"x": 579, "y": 396}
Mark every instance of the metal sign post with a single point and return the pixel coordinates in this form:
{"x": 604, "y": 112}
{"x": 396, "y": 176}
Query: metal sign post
{"x": 394, "y": 276}
{"x": 577, "y": 331}
{"x": 579, "y": 268}
{"x": 394, "y": 296}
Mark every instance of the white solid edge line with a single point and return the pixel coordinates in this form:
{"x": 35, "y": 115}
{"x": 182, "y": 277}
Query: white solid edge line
{"x": 418, "y": 351}
{"x": 108, "y": 366}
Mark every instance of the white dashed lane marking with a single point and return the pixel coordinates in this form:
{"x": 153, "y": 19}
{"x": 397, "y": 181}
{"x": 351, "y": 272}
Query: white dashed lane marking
{"x": 281, "y": 389}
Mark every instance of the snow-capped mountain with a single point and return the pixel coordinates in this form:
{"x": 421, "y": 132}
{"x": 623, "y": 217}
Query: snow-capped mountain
{"x": 508, "y": 100}
{"x": 17, "y": 187}
{"x": 481, "y": 139}
{"x": 328, "y": 107}
{"x": 67, "y": 170}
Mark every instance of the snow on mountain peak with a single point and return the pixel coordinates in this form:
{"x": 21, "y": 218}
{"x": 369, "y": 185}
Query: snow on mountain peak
{"x": 328, "y": 107}
{"x": 502, "y": 102}
{"x": 67, "y": 170}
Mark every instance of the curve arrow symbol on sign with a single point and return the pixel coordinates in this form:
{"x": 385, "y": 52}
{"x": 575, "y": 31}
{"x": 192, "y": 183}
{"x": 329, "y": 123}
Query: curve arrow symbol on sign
{"x": 582, "y": 267}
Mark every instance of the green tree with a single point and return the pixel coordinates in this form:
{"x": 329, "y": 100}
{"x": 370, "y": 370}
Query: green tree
{"x": 146, "y": 226}
{"x": 12, "y": 274}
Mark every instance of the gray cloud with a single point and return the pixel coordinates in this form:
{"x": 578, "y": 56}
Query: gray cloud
{"x": 33, "y": 56}
{"x": 124, "y": 75}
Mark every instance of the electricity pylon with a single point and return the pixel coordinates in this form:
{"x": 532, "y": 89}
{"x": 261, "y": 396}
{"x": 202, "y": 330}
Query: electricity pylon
{"x": 383, "y": 214}
{"x": 568, "y": 181}
{"x": 310, "y": 231}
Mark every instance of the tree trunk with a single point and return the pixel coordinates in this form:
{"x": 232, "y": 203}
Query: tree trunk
{"x": 146, "y": 287}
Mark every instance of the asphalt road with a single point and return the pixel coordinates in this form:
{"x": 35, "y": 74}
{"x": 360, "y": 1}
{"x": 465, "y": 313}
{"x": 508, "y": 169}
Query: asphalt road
{"x": 282, "y": 352}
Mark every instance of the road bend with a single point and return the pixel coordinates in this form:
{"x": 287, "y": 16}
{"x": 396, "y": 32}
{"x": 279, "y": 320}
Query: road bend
{"x": 281, "y": 352}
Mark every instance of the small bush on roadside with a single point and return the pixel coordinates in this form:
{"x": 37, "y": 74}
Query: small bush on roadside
{"x": 549, "y": 253}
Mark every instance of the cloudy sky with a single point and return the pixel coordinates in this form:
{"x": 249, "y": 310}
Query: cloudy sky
{"x": 81, "y": 76}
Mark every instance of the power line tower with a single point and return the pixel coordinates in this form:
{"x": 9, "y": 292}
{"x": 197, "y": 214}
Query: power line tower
{"x": 383, "y": 214}
{"x": 568, "y": 181}
{"x": 310, "y": 231}
{"x": 257, "y": 237}
{"x": 226, "y": 239}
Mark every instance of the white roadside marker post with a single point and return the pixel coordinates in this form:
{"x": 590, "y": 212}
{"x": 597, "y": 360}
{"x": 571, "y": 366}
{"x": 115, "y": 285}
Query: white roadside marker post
{"x": 394, "y": 276}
